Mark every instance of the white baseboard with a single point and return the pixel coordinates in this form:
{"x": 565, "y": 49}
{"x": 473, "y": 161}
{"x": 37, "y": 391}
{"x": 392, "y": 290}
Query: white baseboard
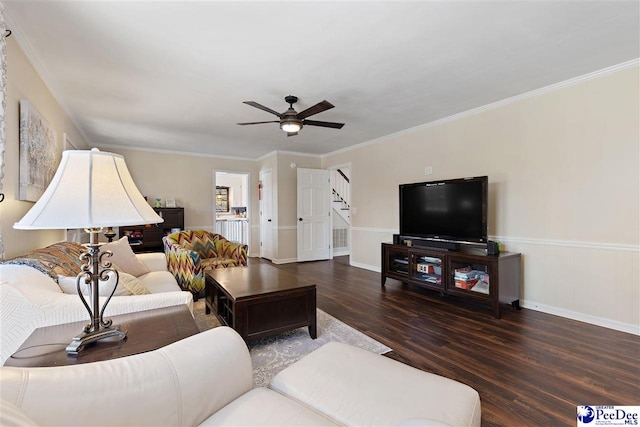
{"x": 284, "y": 260}
{"x": 531, "y": 305}
{"x": 341, "y": 252}
{"x": 365, "y": 266}
{"x": 581, "y": 317}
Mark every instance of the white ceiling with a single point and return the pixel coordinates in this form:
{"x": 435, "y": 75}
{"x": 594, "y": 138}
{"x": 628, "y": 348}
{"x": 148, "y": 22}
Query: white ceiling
{"x": 173, "y": 75}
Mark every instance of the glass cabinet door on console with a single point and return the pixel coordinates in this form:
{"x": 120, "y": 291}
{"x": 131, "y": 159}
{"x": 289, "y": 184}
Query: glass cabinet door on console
{"x": 427, "y": 268}
{"x": 397, "y": 261}
{"x": 471, "y": 276}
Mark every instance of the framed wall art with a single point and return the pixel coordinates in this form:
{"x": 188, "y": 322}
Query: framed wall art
{"x": 37, "y": 152}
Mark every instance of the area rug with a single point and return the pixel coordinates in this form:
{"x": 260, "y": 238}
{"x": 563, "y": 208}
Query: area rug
{"x": 271, "y": 355}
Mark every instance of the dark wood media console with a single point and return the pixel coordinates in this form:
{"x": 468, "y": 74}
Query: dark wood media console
{"x": 491, "y": 279}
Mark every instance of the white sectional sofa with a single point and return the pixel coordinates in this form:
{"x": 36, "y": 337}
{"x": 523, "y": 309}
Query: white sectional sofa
{"x": 206, "y": 380}
{"x": 30, "y": 299}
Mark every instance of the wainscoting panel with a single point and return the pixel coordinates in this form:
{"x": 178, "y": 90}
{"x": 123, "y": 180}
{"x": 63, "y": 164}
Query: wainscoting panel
{"x": 589, "y": 282}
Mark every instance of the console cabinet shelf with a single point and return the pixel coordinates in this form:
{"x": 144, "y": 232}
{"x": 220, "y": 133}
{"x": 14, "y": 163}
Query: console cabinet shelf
{"x": 470, "y": 274}
{"x": 148, "y": 238}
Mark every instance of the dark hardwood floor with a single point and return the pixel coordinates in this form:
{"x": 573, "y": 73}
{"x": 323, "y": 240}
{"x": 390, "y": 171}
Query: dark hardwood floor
{"x": 530, "y": 368}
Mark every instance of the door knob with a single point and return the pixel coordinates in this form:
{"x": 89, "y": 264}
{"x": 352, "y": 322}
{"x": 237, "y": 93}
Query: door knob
{"x": 299, "y": 219}
{"x": 269, "y": 220}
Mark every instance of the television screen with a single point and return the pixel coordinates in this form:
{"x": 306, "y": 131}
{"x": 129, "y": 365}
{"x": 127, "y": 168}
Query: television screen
{"x": 450, "y": 210}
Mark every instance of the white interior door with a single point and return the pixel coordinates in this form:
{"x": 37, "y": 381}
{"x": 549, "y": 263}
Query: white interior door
{"x": 267, "y": 241}
{"x": 314, "y": 214}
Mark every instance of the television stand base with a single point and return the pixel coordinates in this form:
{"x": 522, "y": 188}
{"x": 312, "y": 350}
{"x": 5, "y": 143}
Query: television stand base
{"x": 493, "y": 280}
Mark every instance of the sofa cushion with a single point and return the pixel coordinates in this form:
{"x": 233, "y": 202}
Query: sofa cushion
{"x": 264, "y": 407}
{"x": 61, "y": 258}
{"x": 159, "y": 281}
{"x": 123, "y": 257}
{"x": 421, "y": 422}
{"x": 12, "y": 416}
{"x": 330, "y": 377}
{"x": 126, "y": 285}
{"x": 155, "y": 261}
{"x": 18, "y": 317}
{"x": 133, "y": 284}
{"x": 69, "y": 286}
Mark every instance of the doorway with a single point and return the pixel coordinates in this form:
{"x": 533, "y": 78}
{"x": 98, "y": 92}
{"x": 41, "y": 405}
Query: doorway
{"x": 340, "y": 177}
{"x": 231, "y": 205}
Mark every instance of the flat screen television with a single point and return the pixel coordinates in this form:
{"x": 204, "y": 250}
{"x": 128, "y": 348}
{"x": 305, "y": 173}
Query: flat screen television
{"x": 453, "y": 210}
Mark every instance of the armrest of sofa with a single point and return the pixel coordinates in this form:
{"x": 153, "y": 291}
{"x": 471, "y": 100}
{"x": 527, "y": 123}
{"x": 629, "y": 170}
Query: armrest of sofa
{"x": 155, "y": 261}
{"x": 181, "y": 384}
{"x": 185, "y": 265}
{"x": 232, "y": 250}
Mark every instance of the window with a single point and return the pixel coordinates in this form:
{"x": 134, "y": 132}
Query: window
{"x": 222, "y": 199}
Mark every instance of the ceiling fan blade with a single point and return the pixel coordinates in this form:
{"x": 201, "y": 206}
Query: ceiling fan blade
{"x": 262, "y": 107}
{"x": 258, "y": 123}
{"x": 318, "y": 108}
{"x": 323, "y": 124}
{"x": 291, "y": 134}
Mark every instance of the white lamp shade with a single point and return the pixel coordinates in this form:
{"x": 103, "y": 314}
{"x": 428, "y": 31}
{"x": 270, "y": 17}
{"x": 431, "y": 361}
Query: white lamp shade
{"x": 90, "y": 189}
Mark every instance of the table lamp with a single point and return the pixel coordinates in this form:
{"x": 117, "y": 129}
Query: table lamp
{"x": 91, "y": 190}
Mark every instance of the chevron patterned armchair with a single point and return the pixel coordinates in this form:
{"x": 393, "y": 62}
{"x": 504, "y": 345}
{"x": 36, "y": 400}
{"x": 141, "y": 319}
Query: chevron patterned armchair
{"x": 190, "y": 253}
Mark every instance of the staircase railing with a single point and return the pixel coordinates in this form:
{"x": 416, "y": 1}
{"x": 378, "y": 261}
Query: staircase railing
{"x": 341, "y": 188}
{"x": 341, "y": 192}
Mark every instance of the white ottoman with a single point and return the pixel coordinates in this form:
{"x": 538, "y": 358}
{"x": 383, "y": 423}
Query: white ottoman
{"x": 358, "y": 388}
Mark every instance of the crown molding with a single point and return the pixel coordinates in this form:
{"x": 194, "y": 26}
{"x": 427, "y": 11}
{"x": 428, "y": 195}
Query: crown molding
{"x": 174, "y": 152}
{"x": 289, "y": 153}
{"x": 537, "y": 92}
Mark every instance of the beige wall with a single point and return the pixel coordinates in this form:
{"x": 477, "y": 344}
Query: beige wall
{"x": 564, "y": 190}
{"x": 285, "y": 196}
{"x": 189, "y": 179}
{"x": 23, "y": 82}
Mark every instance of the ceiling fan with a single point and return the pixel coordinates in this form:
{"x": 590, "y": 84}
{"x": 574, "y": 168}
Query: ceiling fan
{"x": 291, "y": 121}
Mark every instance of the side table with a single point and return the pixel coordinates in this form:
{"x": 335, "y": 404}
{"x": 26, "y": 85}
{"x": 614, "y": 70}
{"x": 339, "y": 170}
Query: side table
{"x": 146, "y": 330}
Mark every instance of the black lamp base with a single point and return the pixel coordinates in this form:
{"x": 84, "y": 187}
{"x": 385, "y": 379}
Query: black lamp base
{"x": 93, "y": 271}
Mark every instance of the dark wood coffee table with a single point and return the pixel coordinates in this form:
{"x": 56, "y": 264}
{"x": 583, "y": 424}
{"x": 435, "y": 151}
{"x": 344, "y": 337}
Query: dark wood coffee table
{"x": 146, "y": 330}
{"x": 260, "y": 300}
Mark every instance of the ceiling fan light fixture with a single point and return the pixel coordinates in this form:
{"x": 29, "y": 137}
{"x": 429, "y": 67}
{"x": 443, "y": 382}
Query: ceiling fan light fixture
{"x": 291, "y": 121}
{"x": 290, "y": 126}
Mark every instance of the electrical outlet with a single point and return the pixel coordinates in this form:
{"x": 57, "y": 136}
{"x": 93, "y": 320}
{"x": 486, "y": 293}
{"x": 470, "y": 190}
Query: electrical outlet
{"x": 428, "y": 170}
